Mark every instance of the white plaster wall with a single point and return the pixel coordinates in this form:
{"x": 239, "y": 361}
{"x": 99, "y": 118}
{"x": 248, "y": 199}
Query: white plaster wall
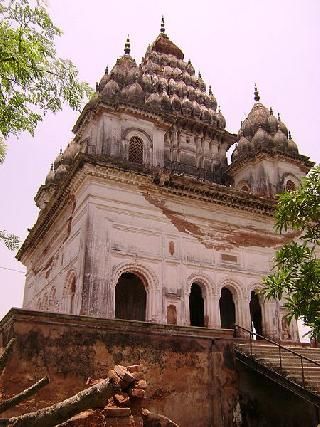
{"x": 170, "y": 241}
{"x": 131, "y": 233}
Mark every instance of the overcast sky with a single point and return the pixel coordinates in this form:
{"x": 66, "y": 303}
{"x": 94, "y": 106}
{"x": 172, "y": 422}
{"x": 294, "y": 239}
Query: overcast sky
{"x": 233, "y": 43}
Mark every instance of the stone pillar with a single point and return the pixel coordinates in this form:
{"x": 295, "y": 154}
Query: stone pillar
{"x": 186, "y": 317}
{"x": 243, "y": 312}
{"x": 271, "y": 320}
{"x": 214, "y": 311}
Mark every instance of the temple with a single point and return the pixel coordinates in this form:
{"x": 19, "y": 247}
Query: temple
{"x": 141, "y": 216}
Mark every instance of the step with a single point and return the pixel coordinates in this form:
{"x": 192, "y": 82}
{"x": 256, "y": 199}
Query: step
{"x": 274, "y": 352}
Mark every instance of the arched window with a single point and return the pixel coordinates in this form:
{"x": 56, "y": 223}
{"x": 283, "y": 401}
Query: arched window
{"x": 130, "y": 298}
{"x": 196, "y": 306}
{"x": 135, "y": 150}
{"x": 290, "y": 185}
{"x": 227, "y": 309}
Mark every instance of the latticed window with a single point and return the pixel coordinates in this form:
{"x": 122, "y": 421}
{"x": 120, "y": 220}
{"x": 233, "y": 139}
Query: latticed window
{"x": 290, "y": 186}
{"x": 136, "y": 150}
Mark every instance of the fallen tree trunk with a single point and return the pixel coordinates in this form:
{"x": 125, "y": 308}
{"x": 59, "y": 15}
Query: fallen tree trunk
{"x": 90, "y": 398}
{"x": 6, "y": 353}
{"x": 9, "y": 403}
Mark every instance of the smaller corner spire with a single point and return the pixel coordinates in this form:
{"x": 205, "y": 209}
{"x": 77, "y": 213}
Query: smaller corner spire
{"x": 106, "y": 71}
{"x": 289, "y": 135}
{"x": 162, "y": 28}
{"x": 256, "y": 93}
{"x": 271, "y": 111}
{"x": 199, "y": 75}
{"x": 279, "y": 118}
{"x": 210, "y": 90}
{"x": 127, "y": 46}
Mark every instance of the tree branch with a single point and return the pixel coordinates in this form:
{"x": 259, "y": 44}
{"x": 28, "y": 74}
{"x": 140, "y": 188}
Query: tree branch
{"x": 20, "y": 397}
{"x": 90, "y": 398}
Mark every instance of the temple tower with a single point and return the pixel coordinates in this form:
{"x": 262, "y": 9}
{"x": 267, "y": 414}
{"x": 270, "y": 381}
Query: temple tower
{"x": 142, "y": 218}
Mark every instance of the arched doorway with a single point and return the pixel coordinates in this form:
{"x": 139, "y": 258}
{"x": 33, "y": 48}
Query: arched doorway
{"x": 227, "y": 309}
{"x": 196, "y": 306}
{"x": 256, "y": 313}
{"x": 130, "y": 298}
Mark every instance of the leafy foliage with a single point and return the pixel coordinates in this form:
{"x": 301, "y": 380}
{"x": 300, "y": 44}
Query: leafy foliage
{"x": 33, "y": 80}
{"x": 296, "y": 275}
{"x": 10, "y": 240}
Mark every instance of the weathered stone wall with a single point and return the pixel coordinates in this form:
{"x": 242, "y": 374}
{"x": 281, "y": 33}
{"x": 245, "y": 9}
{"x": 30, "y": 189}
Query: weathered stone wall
{"x": 123, "y": 222}
{"x": 190, "y": 371}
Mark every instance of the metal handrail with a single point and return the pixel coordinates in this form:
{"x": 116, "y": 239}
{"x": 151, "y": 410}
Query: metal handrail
{"x": 280, "y": 347}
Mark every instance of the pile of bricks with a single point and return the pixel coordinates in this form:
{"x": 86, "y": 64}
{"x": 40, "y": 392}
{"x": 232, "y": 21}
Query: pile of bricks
{"x": 125, "y": 407}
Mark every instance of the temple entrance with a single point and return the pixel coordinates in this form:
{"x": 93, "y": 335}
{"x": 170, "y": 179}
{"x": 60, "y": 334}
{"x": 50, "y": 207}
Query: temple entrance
{"x": 227, "y": 309}
{"x": 196, "y": 306}
{"x": 256, "y": 313}
{"x": 130, "y": 298}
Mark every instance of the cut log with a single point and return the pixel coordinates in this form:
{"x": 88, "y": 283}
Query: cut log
{"x": 5, "y": 355}
{"x": 90, "y": 398}
{"x": 20, "y": 397}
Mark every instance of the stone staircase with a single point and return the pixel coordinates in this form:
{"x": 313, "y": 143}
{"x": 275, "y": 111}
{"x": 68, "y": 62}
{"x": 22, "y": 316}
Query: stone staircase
{"x": 300, "y": 370}
{"x": 293, "y": 367}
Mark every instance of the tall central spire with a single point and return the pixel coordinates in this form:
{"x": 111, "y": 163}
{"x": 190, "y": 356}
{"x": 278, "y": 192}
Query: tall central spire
{"x": 256, "y": 93}
{"x": 127, "y": 46}
{"x": 162, "y": 28}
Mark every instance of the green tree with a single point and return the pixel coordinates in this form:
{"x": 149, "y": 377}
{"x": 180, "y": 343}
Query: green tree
{"x": 296, "y": 274}
{"x": 33, "y": 80}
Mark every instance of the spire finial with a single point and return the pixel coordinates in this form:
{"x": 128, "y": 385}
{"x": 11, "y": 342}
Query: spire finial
{"x": 210, "y": 90}
{"x": 162, "y": 29}
{"x": 256, "y": 93}
{"x": 271, "y": 111}
{"x": 127, "y": 46}
{"x": 279, "y": 118}
{"x": 106, "y": 71}
{"x": 199, "y": 75}
{"x": 289, "y": 135}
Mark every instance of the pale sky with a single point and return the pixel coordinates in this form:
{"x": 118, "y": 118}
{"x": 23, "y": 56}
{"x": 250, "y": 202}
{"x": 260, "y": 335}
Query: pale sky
{"x": 234, "y": 43}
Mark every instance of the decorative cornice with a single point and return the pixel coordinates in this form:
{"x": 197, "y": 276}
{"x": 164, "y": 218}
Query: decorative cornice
{"x": 163, "y": 120}
{"x": 303, "y": 162}
{"x": 104, "y": 167}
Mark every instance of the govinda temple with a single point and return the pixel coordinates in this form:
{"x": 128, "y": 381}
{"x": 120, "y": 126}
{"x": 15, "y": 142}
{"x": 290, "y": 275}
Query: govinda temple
{"x": 150, "y": 248}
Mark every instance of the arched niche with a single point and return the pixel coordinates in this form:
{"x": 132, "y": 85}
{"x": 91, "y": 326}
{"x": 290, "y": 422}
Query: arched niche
{"x": 130, "y": 297}
{"x": 69, "y": 292}
{"x": 171, "y": 314}
{"x": 227, "y": 309}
